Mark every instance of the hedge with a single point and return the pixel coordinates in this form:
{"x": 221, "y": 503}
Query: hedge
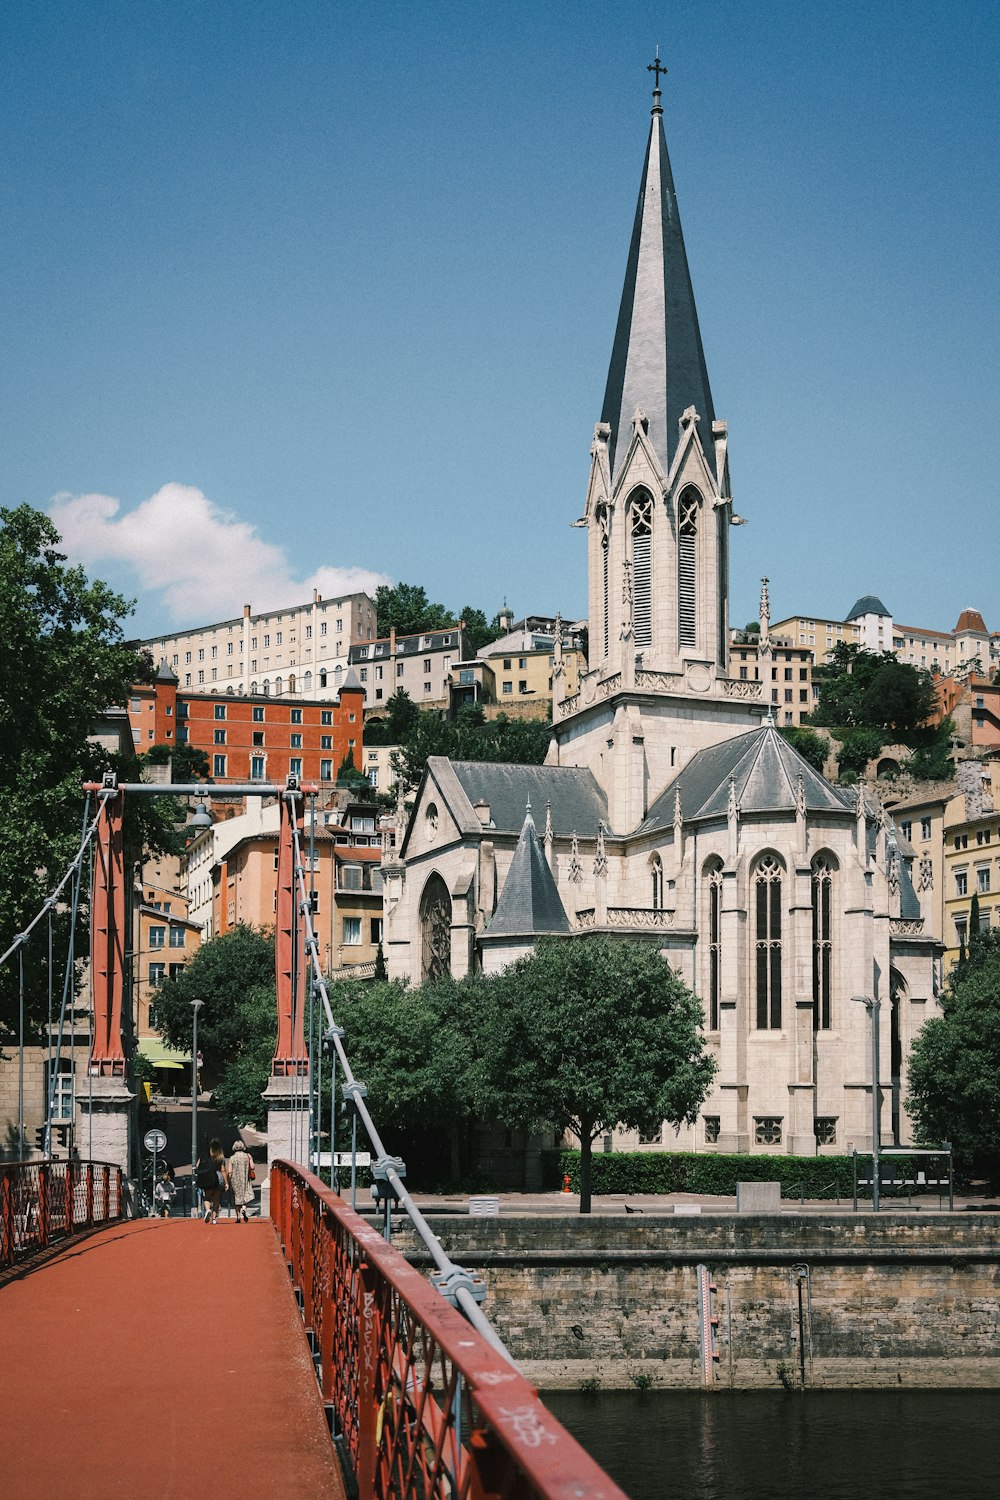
{"x": 718, "y": 1174}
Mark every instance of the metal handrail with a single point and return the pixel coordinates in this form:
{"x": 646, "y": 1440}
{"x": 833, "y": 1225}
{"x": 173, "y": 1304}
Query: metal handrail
{"x": 419, "y": 1403}
{"x": 44, "y": 1202}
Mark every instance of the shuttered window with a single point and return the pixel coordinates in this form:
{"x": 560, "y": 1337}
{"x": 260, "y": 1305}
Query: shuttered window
{"x": 642, "y": 571}
{"x": 687, "y": 571}
{"x": 604, "y": 588}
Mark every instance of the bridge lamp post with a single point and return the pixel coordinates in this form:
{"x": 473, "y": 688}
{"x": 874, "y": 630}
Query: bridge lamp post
{"x": 872, "y": 1006}
{"x": 195, "y": 1008}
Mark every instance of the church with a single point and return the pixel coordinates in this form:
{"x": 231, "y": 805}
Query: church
{"x": 670, "y": 810}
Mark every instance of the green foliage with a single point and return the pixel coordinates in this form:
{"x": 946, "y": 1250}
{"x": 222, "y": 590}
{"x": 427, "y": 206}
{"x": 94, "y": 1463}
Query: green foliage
{"x": 237, "y": 1025}
{"x": 715, "y": 1175}
{"x": 479, "y": 630}
{"x": 857, "y": 749}
{"x": 587, "y": 1034}
{"x": 954, "y": 1068}
{"x": 401, "y": 715}
{"x": 406, "y": 609}
{"x": 471, "y": 737}
{"x": 872, "y": 690}
{"x": 810, "y": 745}
{"x": 187, "y": 762}
{"x": 931, "y": 761}
{"x": 63, "y": 661}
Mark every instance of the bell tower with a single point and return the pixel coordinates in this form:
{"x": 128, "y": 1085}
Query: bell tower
{"x": 658, "y": 512}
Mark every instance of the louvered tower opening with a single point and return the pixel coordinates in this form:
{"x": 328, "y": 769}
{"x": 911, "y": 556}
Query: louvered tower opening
{"x": 687, "y": 570}
{"x": 604, "y": 592}
{"x": 642, "y": 570}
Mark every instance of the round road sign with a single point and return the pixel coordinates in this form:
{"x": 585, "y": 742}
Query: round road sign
{"x": 154, "y": 1140}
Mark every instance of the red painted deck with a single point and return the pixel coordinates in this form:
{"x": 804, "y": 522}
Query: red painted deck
{"x": 162, "y": 1359}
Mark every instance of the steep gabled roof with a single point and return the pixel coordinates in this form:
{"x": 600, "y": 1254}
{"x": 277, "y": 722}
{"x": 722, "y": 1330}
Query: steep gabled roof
{"x": 765, "y": 772}
{"x": 657, "y": 360}
{"x": 970, "y": 620}
{"x": 529, "y": 902}
{"x": 578, "y": 803}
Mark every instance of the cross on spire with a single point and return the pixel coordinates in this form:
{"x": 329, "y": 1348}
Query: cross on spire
{"x": 657, "y": 67}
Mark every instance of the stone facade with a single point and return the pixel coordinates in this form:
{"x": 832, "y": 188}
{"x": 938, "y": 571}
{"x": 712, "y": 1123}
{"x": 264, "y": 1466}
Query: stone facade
{"x": 888, "y": 1300}
{"x": 667, "y": 811}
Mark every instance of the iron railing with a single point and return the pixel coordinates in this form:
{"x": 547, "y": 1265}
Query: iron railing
{"x": 420, "y": 1404}
{"x": 42, "y": 1202}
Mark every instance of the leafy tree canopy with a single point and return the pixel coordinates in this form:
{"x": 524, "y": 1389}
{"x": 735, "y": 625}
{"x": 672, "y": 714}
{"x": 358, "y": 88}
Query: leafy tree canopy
{"x": 954, "y": 1065}
{"x": 871, "y": 690}
{"x": 810, "y": 745}
{"x": 186, "y": 762}
{"x": 589, "y": 1033}
{"x": 406, "y": 609}
{"x": 857, "y": 749}
{"x": 471, "y": 737}
{"x": 63, "y": 662}
{"x": 233, "y": 975}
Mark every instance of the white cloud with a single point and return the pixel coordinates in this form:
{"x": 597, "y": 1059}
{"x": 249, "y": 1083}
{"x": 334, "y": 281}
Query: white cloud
{"x": 202, "y": 561}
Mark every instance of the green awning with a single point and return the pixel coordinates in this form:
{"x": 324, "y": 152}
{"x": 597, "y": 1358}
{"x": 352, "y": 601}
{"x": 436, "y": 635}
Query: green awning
{"x": 160, "y": 1055}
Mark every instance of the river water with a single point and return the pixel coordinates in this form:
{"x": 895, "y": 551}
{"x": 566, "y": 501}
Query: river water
{"x": 813, "y": 1445}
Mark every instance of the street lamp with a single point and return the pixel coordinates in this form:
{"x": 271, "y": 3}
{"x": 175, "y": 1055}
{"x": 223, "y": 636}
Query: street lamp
{"x": 195, "y": 1008}
{"x": 872, "y": 1006}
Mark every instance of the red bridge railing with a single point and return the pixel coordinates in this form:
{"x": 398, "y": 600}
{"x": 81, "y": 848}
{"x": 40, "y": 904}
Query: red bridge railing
{"x": 421, "y": 1405}
{"x": 42, "y": 1202}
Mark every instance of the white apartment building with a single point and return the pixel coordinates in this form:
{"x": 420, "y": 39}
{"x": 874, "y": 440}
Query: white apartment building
{"x": 299, "y": 652}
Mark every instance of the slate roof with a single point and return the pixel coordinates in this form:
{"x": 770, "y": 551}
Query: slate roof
{"x": 765, "y": 770}
{"x": 868, "y": 604}
{"x": 578, "y": 803}
{"x": 529, "y": 902}
{"x": 164, "y": 673}
{"x": 657, "y": 309}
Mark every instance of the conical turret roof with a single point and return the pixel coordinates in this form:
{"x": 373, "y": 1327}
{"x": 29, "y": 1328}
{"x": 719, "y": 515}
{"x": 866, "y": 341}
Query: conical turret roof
{"x": 657, "y": 363}
{"x": 529, "y": 902}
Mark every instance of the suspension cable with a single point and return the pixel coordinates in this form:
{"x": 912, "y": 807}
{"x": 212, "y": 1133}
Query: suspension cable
{"x": 70, "y": 962}
{"x": 74, "y": 864}
{"x": 454, "y": 1281}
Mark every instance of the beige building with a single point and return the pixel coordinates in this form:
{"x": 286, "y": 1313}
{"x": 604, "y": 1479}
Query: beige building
{"x": 299, "y": 652}
{"x": 820, "y": 636}
{"x": 953, "y": 653}
{"x": 419, "y": 664}
{"x": 522, "y": 663}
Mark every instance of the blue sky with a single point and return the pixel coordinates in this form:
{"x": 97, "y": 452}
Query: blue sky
{"x": 315, "y": 293}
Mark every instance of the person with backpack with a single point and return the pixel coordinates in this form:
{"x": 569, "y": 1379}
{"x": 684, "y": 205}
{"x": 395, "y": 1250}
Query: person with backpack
{"x": 212, "y": 1177}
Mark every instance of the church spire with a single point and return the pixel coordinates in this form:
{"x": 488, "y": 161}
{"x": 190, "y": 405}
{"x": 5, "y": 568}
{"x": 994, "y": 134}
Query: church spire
{"x": 657, "y": 362}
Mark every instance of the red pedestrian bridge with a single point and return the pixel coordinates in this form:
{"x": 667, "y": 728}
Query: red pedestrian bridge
{"x": 275, "y": 1359}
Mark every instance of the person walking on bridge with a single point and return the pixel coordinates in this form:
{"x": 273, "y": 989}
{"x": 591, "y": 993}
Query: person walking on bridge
{"x": 212, "y": 1177}
{"x": 241, "y": 1175}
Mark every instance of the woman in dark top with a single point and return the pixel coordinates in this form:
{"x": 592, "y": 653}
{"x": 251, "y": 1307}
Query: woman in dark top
{"x": 212, "y": 1178}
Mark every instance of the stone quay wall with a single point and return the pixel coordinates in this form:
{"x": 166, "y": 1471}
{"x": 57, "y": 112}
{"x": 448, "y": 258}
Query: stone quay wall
{"x": 887, "y": 1300}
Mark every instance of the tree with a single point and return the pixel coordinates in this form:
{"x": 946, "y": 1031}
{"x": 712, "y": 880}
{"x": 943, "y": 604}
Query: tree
{"x": 954, "y": 1069}
{"x": 233, "y": 975}
{"x": 416, "y": 1051}
{"x": 186, "y": 762}
{"x": 872, "y": 690}
{"x": 406, "y": 609}
{"x": 857, "y": 749}
{"x": 471, "y": 737}
{"x": 810, "y": 745}
{"x": 479, "y": 630}
{"x": 588, "y": 1033}
{"x": 63, "y": 661}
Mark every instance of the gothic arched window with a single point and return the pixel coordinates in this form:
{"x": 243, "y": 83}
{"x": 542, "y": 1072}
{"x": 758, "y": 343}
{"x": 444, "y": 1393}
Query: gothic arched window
{"x": 656, "y": 881}
{"x": 713, "y": 877}
{"x": 822, "y": 940}
{"x": 641, "y": 526}
{"x": 435, "y": 929}
{"x": 687, "y": 569}
{"x": 767, "y": 941}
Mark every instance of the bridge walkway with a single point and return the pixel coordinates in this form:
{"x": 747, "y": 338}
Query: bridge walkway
{"x": 164, "y": 1359}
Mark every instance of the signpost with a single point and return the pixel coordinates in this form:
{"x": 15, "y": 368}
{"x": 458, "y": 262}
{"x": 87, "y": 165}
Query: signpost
{"x": 154, "y": 1141}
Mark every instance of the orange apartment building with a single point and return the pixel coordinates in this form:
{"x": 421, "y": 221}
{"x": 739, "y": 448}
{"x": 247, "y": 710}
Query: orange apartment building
{"x": 344, "y": 873}
{"x": 256, "y": 738}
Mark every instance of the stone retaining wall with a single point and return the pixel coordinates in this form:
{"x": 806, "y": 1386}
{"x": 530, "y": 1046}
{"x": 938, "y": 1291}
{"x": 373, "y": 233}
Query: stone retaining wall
{"x": 888, "y": 1300}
